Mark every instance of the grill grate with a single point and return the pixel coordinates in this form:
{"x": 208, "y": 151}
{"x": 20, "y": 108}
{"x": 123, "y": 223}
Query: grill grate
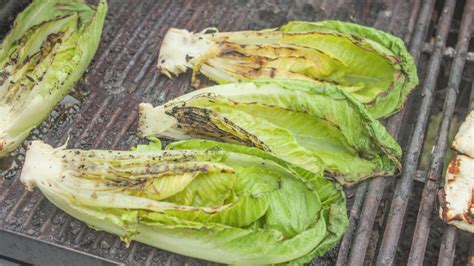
{"x": 427, "y": 205}
{"x": 101, "y": 113}
{"x": 395, "y": 221}
{"x": 375, "y": 188}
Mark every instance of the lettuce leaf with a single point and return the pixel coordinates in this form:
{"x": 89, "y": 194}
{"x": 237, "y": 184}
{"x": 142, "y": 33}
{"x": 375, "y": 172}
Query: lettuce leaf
{"x": 405, "y": 79}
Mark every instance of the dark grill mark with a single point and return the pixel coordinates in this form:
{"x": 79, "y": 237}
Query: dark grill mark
{"x": 203, "y": 122}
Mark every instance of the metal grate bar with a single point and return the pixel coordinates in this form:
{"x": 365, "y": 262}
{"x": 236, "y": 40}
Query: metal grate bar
{"x": 377, "y": 185}
{"x": 17, "y": 205}
{"x": 449, "y": 52}
{"x": 13, "y": 189}
{"x": 133, "y": 249}
{"x": 39, "y": 200}
{"x": 150, "y": 256}
{"x": 128, "y": 123}
{"x": 422, "y": 25}
{"x": 447, "y": 249}
{"x": 354, "y": 215}
{"x": 94, "y": 121}
{"x": 412, "y": 20}
{"x": 428, "y": 198}
{"x": 364, "y": 228}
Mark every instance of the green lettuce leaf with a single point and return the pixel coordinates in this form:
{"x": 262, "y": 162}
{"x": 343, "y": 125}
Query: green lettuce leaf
{"x": 405, "y": 79}
{"x": 215, "y": 201}
{"x": 153, "y": 145}
{"x": 316, "y": 126}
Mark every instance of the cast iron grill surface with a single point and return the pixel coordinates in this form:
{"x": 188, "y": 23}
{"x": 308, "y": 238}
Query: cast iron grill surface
{"x": 101, "y": 112}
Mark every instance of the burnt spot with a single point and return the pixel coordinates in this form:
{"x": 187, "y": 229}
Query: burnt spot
{"x": 450, "y": 181}
{"x": 443, "y": 203}
{"x": 210, "y": 31}
{"x": 60, "y": 6}
{"x": 54, "y": 38}
{"x": 453, "y": 167}
{"x": 231, "y": 52}
{"x": 457, "y": 217}
{"x": 206, "y": 123}
{"x": 14, "y": 59}
{"x": 471, "y": 203}
{"x": 3, "y": 76}
{"x": 331, "y": 174}
{"x": 394, "y": 59}
{"x": 272, "y": 72}
{"x": 357, "y": 38}
{"x": 79, "y": 22}
{"x": 469, "y": 215}
{"x": 30, "y": 78}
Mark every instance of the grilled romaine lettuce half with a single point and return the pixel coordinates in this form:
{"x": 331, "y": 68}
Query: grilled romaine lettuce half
{"x": 46, "y": 52}
{"x": 315, "y": 126}
{"x": 220, "y": 202}
{"x": 372, "y": 65}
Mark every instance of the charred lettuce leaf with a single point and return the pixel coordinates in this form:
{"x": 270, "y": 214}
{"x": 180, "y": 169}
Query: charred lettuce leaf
{"x": 220, "y": 202}
{"x": 373, "y": 66}
{"x": 49, "y": 47}
{"x": 315, "y": 126}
